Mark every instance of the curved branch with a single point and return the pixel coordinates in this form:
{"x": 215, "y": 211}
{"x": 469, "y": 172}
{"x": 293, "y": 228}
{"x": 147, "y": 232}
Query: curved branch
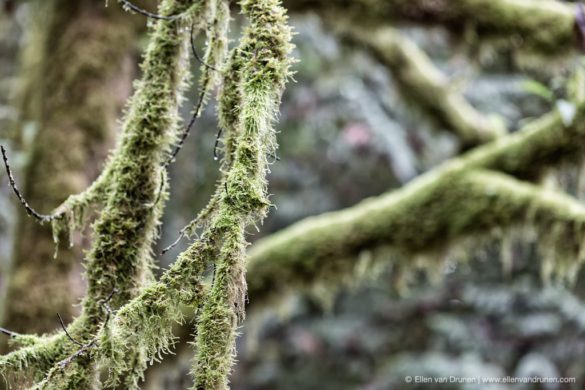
{"x": 427, "y": 87}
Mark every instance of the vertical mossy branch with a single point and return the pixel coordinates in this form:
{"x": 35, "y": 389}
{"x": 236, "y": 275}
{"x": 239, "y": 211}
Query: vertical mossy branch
{"x": 259, "y": 68}
{"x": 126, "y": 229}
{"x": 120, "y": 258}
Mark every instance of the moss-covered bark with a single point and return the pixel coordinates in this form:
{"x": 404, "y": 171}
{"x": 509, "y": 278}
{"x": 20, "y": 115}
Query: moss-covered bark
{"x": 428, "y": 220}
{"x": 432, "y": 211}
{"x": 78, "y": 74}
{"x": 545, "y": 26}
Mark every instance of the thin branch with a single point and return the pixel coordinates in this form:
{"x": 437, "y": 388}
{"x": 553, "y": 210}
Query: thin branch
{"x": 67, "y": 333}
{"x": 179, "y": 146}
{"x": 216, "y": 145}
{"x": 150, "y": 15}
{"x": 196, "y": 113}
{"x": 420, "y": 80}
{"x": 29, "y": 210}
{"x": 187, "y": 131}
{"x": 109, "y": 297}
{"x": 84, "y": 348}
{"x": 200, "y": 218}
{"x": 8, "y": 332}
{"x": 194, "y": 50}
{"x": 106, "y": 305}
{"x": 198, "y": 106}
{"x": 174, "y": 243}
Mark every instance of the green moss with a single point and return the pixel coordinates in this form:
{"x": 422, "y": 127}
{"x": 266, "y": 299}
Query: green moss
{"x": 426, "y": 215}
{"x": 120, "y": 258}
{"x": 546, "y": 27}
{"x": 258, "y": 69}
{"x": 141, "y": 329}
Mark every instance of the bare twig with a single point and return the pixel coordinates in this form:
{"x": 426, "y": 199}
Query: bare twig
{"x": 194, "y": 51}
{"x": 109, "y": 297}
{"x": 67, "y": 332}
{"x": 150, "y": 15}
{"x": 217, "y": 137}
{"x": 84, "y": 348}
{"x": 106, "y": 304}
{"x": 29, "y": 210}
{"x": 187, "y": 131}
{"x": 202, "y": 216}
{"x": 8, "y": 333}
{"x": 175, "y": 243}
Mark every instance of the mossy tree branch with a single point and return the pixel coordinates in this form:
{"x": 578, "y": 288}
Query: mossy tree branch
{"x": 545, "y": 26}
{"x": 261, "y": 62}
{"x": 429, "y": 211}
{"x": 424, "y": 219}
{"x": 423, "y": 84}
{"x": 120, "y": 256}
{"x": 457, "y": 199}
{"x": 123, "y": 235}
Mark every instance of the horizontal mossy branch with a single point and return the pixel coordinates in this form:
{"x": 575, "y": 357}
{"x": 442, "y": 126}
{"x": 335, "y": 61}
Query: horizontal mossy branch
{"x": 542, "y": 143}
{"x": 546, "y": 26}
{"x": 400, "y": 218}
{"x": 424, "y": 217}
{"x": 424, "y": 85}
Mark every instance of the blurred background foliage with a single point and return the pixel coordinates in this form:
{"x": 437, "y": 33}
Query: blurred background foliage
{"x": 347, "y": 133}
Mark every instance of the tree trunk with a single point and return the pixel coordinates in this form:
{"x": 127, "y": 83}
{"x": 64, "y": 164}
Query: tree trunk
{"x": 78, "y": 70}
